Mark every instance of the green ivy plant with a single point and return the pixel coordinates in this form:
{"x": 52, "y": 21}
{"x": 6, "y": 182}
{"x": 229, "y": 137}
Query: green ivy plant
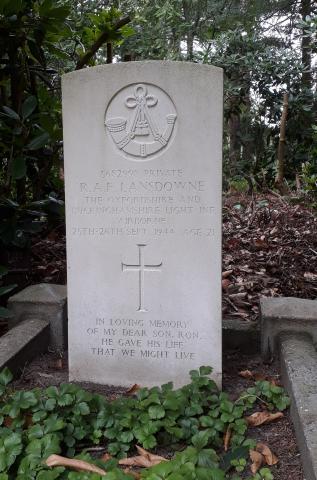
{"x": 58, "y": 420}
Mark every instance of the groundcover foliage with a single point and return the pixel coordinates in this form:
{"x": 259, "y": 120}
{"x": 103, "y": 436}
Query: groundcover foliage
{"x": 194, "y": 419}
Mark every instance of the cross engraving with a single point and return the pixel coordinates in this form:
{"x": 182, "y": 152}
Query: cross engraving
{"x": 141, "y": 268}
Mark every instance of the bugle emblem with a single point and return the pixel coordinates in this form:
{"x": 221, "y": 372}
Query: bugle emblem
{"x": 148, "y": 129}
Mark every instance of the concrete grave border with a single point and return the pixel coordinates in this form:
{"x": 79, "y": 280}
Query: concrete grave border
{"x": 43, "y": 301}
{"x": 285, "y": 314}
{"x": 289, "y": 330}
{"x": 23, "y": 343}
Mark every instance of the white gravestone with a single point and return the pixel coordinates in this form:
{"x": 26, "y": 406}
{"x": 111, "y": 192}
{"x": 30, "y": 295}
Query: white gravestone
{"x": 143, "y": 145}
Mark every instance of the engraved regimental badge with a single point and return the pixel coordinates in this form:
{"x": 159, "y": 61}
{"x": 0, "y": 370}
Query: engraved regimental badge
{"x": 140, "y": 119}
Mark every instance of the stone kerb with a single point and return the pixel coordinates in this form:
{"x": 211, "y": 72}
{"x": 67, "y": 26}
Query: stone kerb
{"x": 45, "y": 302}
{"x": 290, "y": 315}
{"x": 22, "y": 343}
{"x": 299, "y": 374}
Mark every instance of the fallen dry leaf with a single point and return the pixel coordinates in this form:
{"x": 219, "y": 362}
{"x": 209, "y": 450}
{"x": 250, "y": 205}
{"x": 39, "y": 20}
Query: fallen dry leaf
{"x": 227, "y": 273}
{"x": 257, "y": 460}
{"x": 28, "y": 420}
{"x": 226, "y": 440}
{"x": 259, "y": 418}
{"x": 269, "y": 457}
{"x": 136, "y": 475}
{"x": 59, "y": 364}
{"x": 310, "y": 276}
{"x": 79, "y": 465}
{"x": 145, "y": 459}
{"x": 258, "y": 377}
{"x": 149, "y": 455}
{"x": 106, "y": 456}
{"x": 133, "y": 389}
{"x": 225, "y": 283}
{"x": 246, "y": 374}
{"x": 137, "y": 461}
{"x": 260, "y": 243}
{"x": 7, "y": 422}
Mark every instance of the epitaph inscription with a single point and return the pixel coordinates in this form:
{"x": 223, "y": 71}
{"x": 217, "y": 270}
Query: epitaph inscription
{"x": 147, "y": 122}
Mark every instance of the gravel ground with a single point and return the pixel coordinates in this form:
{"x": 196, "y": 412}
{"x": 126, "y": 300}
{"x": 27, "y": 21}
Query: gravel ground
{"x": 279, "y": 436}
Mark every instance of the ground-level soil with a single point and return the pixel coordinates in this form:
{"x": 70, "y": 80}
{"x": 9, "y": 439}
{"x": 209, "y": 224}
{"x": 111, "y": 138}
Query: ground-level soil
{"x": 50, "y": 369}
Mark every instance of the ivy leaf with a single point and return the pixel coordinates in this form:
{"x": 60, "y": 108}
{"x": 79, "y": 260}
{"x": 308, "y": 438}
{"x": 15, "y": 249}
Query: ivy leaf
{"x": 207, "y": 458}
{"x": 156, "y": 411}
{"x": 38, "y": 416}
{"x": 235, "y": 454}
{"x": 206, "y": 421}
{"x": 149, "y": 442}
{"x": 83, "y": 408}
{"x": 10, "y": 447}
{"x": 205, "y": 370}
{"x": 65, "y": 400}
{"x": 50, "y": 404}
{"x": 126, "y": 437}
{"x": 142, "y": 393}
{"x": 52, "y": 392}
{"x": 114, "y": 448}
{"x": 111, "y": 433}
{"x": 171, "y": 403}
{"x": 217, "y": 474}
{"x": 53, "y": 424}
{"x": 35, "y": 432}
{"x": 50, "y": 475}
{"x": 5, "y": 376}
{"x": 200, "y": 439}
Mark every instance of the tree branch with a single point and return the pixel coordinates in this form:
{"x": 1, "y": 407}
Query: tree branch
{"x": 103, "y": 38}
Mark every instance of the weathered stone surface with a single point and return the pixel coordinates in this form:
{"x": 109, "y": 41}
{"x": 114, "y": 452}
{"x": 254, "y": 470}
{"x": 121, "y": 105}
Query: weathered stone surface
{"x": 299, "y": 375}
{"x": 43, "y": 301}
{"x": 142, "y": 143}
{"x": 22, "y": 343}
{"x": 285, "y": 314}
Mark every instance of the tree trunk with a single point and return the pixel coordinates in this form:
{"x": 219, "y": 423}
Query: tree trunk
{"x": 279, "y": 179}
{"x": 17, "y": 89}
{"x": 103, "y": 38}
{"x": 307, "y": 81}
{"x": 307, "y": 116}
{"x": 109, "y": 53}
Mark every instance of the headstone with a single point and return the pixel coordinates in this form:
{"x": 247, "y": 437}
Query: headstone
{"x": 143, "y": 147}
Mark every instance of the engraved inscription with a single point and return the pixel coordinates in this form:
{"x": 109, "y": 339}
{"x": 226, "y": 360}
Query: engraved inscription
{"x": 147, "y": 122}
{"x": 141, "y": 268}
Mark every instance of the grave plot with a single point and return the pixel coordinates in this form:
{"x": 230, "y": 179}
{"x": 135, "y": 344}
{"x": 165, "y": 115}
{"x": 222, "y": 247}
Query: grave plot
{"x": 270, "y": 446}
{"x": 143, "y": 204}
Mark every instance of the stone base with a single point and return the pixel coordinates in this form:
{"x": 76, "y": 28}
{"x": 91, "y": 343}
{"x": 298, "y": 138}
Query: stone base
{"x": 44, "y": 302}
{"x": 23, "y": 343}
